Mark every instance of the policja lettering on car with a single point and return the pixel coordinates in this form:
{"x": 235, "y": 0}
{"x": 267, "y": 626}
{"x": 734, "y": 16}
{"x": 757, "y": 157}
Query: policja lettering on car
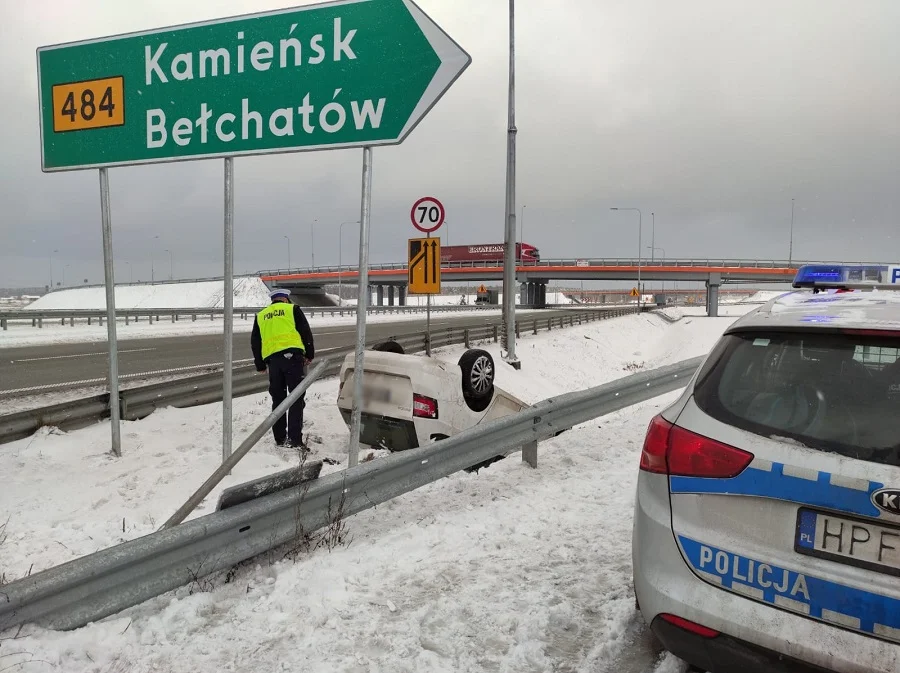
{"x": 282, "y": 343}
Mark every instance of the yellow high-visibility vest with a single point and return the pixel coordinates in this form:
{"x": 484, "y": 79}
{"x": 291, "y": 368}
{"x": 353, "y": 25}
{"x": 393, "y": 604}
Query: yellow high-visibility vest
{"x": 277, "y": 329}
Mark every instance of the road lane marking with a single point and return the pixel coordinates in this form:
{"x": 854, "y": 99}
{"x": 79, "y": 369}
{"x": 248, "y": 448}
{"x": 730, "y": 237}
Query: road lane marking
{"x": 123, "y": 377}
{"x": 79, "y": 355}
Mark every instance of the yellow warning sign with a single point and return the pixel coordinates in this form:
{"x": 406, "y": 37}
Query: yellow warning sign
{"x": 634, "y": 292}
{"x": 482, "y": 289}
{"x": 424, "y": 267}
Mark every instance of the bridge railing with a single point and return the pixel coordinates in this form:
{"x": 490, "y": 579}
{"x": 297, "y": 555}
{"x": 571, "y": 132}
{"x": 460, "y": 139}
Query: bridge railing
{"x": 568, "y": 261}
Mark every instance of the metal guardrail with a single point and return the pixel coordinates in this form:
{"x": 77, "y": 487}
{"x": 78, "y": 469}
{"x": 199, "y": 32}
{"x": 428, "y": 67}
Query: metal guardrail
{"x": 139, "y": 402}
{"x": 38, "y": 316}
{"x": 92, "y": 587}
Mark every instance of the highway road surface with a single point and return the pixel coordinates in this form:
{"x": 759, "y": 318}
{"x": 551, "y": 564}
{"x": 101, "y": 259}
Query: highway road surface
{"x": 73, "y": 364}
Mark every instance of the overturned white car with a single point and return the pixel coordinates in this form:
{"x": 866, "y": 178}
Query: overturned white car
{"x": 410, "y": 401}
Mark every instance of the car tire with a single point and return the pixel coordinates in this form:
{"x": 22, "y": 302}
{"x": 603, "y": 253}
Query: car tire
{"x": 390, "y": 346}
{"x": 477, "y": 369}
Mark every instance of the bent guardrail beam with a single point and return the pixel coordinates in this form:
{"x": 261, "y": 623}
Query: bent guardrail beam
{"x": 92, "y": 587}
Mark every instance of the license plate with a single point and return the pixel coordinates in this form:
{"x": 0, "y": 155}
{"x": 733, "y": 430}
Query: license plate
{"x": 848, "y": 540}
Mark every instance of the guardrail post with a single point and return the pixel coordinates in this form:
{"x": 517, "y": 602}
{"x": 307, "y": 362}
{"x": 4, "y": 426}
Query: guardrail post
{"x": 101, "y": 321}
{"x": 89, "y": 321}
{"x": 173, "y": 317}
{"x": 212, "y": 316}
{"x": 534, "y": 326}
{"x": 518, "y": 336}
{"x": 34, "y": 322}
{"x": 193, "y": 317}
{"x": 151, "y": 319}
{"x": 549, "y": 324}
{"x": 495, "y": 334}
{"x": 3, "y": 324}
{"x": 63, "y": 322}
{"x": 128, "y": 319}
{"x": 529, "y": 454}
{"x": 465, "y": 336}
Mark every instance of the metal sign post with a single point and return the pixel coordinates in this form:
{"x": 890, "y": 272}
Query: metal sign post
{"x": 509, "y": 260}
{"x": 362, "y": 304}
{"x": 110, "y": 282}
{"x": 427, "y": 215}
{"x": 229, "y": 310}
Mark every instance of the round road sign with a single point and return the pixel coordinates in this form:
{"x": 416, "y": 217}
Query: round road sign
{"x": 427, "y": 214}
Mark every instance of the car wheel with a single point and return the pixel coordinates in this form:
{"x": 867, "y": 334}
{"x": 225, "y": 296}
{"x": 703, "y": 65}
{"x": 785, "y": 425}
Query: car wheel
{"x": 477, "y": 367}
{"x": 388, "y": 347}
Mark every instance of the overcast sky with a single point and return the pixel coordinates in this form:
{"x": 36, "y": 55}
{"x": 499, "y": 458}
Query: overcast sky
{"x": 711, "y": 114}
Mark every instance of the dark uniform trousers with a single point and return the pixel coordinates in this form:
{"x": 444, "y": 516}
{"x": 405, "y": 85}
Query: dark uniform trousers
{"x": 286, "y": 371}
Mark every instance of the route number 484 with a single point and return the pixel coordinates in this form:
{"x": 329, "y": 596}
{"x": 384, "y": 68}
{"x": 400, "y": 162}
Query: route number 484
{"x": 87, "y": 105}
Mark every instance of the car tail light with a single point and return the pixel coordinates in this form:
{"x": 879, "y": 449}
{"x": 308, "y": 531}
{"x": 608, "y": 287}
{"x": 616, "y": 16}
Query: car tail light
{"x": 656, "y": 443}
{"x": 669, "y": 449}
{"x": 688, "y": 625}
{"x": 424, "y": 407}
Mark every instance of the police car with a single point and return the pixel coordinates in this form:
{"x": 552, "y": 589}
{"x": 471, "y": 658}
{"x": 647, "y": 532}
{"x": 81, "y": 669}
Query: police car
{"x": 767, "y": 514}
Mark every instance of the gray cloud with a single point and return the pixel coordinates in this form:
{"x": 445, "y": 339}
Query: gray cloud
{"x": 712, "y": 115}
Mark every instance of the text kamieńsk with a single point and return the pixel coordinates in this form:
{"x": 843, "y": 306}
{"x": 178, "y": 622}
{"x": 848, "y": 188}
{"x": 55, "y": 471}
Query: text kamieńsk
{"x": 302, "y": 117}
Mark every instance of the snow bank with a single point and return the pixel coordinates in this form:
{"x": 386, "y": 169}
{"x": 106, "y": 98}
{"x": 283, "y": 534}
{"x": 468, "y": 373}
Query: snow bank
{"x": 764, "y": 296}
{"x": 463, "y": 574}
{"x": 248, "y": 292}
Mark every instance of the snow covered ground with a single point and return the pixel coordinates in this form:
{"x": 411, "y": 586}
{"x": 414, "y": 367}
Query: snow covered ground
{"x": 202, "y": 294}
{"x": 511, "y": 569}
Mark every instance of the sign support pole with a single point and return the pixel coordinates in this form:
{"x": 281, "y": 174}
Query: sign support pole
{"x": 361, "y": 306}
{"x": 110, "y": 281}
{"x": 428, "y": 313}
{"x": 229, "y": 309}
{"x": 509, "y": 262}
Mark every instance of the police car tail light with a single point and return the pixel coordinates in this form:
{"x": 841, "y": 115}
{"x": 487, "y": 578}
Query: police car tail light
{"x": 692, "y": 455}
{"x": 656, "y": 444}
{"x": 669, "y": 449}
{"x": 424, "y": 407}
{"x": 688, "y": 625}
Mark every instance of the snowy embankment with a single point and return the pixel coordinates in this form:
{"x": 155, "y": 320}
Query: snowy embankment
{"x": 248, "y": 292}
{"x": 510, "y": 569}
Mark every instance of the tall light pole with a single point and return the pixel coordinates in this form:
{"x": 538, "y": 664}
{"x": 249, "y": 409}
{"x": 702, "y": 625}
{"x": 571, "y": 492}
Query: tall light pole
{"x": 312, "y": 242}
{"x": 288, "y": 239}
{"x": 51, "y": 268}
{"x": 640, "y": 227}
{"x": 340, "y": 259}
{"x": 509, "y": 262}
{"x": 171, "y": 264}
{"x": 654, "y": 249}
{"x": 791, "y": 248}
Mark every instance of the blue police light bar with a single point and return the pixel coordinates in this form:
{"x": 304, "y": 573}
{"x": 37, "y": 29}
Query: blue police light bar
{"x": 860, "y": 276}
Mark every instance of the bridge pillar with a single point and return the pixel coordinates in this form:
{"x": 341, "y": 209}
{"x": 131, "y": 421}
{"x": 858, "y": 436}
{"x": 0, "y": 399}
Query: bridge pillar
{"x": 379, "y": 290}
{"x": 523, "y": 294}
{"x": 390, "y": 295}
{"x": 712, "y": 295}
{"x": 401, "y": 299}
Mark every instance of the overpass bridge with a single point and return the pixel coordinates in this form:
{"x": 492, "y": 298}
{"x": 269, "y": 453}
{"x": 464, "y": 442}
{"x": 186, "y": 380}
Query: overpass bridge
{"x": 533, "y": 276}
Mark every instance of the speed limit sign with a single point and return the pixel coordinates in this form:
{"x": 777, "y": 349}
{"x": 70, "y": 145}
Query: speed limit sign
{"x": 427, "y": 214}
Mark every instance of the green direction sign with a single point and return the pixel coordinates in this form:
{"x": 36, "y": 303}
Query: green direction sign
{"x": 340, "y": 74}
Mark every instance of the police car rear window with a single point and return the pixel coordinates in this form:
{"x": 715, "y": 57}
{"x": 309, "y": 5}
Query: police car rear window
{"x": 836, "y": 392}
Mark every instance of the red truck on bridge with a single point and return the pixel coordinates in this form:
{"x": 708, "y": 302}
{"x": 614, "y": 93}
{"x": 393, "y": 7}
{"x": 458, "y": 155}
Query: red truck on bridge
{"x": 487, "y": 252}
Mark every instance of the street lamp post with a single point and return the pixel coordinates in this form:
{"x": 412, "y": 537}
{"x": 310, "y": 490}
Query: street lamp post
{"x": 288, "y": 238}
{"x": 340, "y": 260}
{"x": 640, "y": 227}
{"x": 653, "y": 249}
{"x": 51, "y": 268}
{"x": 791, "y": 248}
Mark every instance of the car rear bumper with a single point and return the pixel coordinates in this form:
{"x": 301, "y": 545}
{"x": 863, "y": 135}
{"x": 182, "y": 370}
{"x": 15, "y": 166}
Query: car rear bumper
{"x": 750, "y": 631}
{"x": 724, "y": 654}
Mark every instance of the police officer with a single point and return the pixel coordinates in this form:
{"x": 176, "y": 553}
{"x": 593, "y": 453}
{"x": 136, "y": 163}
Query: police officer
{"x": 283, "y": 342}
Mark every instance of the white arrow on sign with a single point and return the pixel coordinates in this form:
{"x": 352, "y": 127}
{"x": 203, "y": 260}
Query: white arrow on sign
{"x": 454, "y": 60}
